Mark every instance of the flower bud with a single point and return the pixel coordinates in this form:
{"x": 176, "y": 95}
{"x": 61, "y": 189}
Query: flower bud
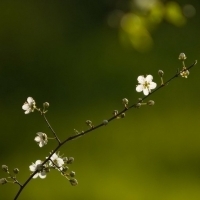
{"x": 65, "y": 159}
{"x": 3, "y": 181}
{"x": 16, "y": 170}
{"x": 125, "y": 101}
{"x": 70, "y": 160}
{"x": 138, "y": 105}
{"x": 182, "y": 56}
{"x": 46, "y": 105}
{"x": 150, "y": 103}
{"x": 160, "y": 73}
{"x": 73, "y": 182}
{"x": 72, "y": 174}
{"x": 123, "y": 115}
{"x": 140, "y": 100}
{"x": 65, "y": 169}
{"x": 105, "y": 122}
{"x": 4, "y": 168}
{"x": 115, "y": 112}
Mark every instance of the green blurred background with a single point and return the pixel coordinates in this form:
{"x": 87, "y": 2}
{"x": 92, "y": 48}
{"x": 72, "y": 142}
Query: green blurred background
{"x": 83, "y": 57}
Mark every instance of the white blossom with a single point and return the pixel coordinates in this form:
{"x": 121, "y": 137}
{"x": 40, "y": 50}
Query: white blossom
{"x": 145, "y": 84}
{"x": 184, "y": 73}
{"x": 37, "y": 166}
{"x": 57, "y": 161}
{"x": 29, "y": 105}
{"x": 41, "y": 139}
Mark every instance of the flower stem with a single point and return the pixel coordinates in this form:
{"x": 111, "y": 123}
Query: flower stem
{"x": 54, "y": 133}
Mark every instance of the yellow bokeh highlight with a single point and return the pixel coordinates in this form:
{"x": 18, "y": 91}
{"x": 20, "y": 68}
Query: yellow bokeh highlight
{"x": 135, "y": 28}
{"x": 173, "y": 14}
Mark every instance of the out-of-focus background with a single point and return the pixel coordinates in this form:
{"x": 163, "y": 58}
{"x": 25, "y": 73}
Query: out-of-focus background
{"x": 84, "y": 57}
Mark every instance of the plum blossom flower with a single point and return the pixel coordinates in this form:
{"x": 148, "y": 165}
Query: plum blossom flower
{"x": 145, "y": 84}
{"x": 184, "y": 73}
{"x": 29, "y": 105}
{"x": 38, "y": 166}
{"x": 41, "y": 139}
{"x": 56, "y": 161}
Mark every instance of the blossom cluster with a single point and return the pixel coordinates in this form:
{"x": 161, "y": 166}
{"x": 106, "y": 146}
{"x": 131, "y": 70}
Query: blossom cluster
{"x": 55, "y": 161}
{"x": 40, "y": 168}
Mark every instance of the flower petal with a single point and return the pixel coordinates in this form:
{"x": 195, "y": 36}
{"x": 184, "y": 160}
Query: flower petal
{"x": 152, "y": 85}
{"x": 41, "y": 144}
{"x": 54, "y": 156}
{"x": 40, "y": 134}
{"x": 32, "y": 167}
{"x": 60, "y": 162}
{"x": 139, "y": 88}
{"x": 37, "y": 139}
{"x": 141, "y": 79}
{"x": 38, "y": 162}
{"x": 36, "y": 175}
{"x": 30, "y": 100}
{"x": 27, "y": 111}
{"x": 25, "y": 106}
{"x": 42, "y": 175}
{"x": 149, "y": 78}
{"x": 146, "y": 91}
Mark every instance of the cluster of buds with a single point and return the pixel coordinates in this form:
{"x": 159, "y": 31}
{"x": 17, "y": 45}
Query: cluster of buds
{"x": 11, "y": 177}
{"x": 89, "y": 123}
{"x": 141, "y": 103}
{"x": 184, "y": 72}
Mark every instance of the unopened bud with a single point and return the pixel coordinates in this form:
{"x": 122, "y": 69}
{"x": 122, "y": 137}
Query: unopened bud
{"x": 140, "y": 100}
{"x": 72, "y": 174}
{"x": 73, "y": 182}
{"x": 46, "y": 104}
{"x": 150, "y": 103}
{"x": 182, "y": 56}
{"x": 125, "y": 101}
{"x": 138, "y": 105}
{"x": 70, "y": 160}
{"x": 115, "y": 112}
{"x": 160, "y": 73}
{"x": 16, "y": 170}
{"x": 123, "y": 115}
{"x": 4, "y": 168}
{"x": 105, "y": 122}
{"x": 3, "y": 181}
{"x": 65, "y": 169}
{"x": 65, "y": 159}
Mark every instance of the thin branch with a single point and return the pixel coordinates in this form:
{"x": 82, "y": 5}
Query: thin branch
{"x": 17, "y": 182}
{"x": 126, "y": 108}
{"x": 54, "y": 133}
{"x": 95, "y": 127}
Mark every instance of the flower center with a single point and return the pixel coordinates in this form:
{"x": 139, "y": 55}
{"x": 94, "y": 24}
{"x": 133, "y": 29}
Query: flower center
{"x": 146, "y": 84}
{"x": 44, "y": 136}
